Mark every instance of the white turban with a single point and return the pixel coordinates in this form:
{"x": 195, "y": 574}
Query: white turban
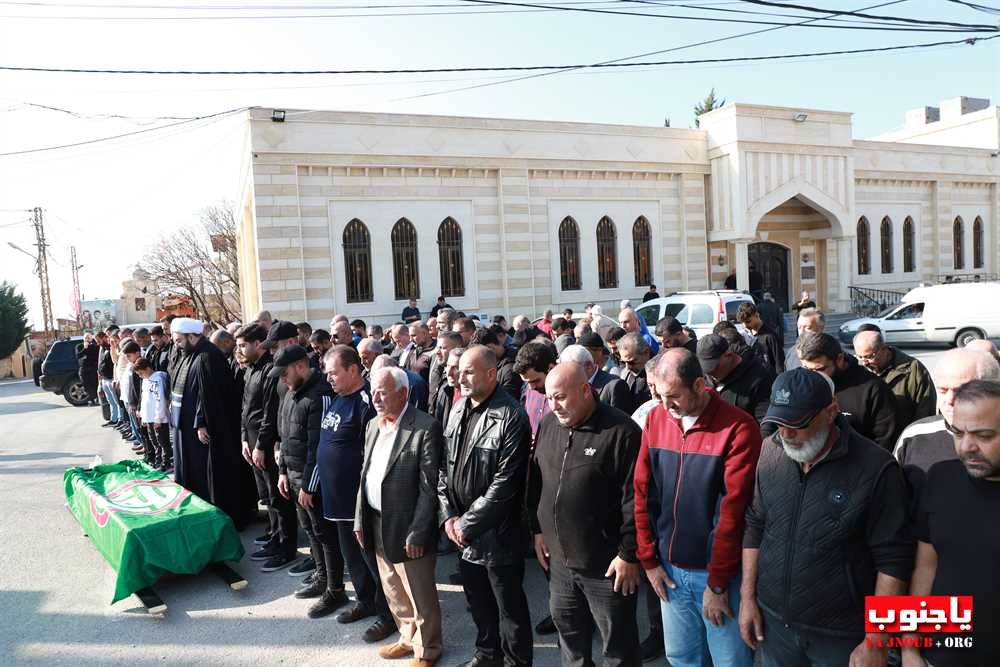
{"x": 187, "y": 325}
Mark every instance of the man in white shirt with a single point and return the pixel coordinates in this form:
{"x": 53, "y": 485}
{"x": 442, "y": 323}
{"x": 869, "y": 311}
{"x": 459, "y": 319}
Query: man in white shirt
{"x": 403, "y": 447}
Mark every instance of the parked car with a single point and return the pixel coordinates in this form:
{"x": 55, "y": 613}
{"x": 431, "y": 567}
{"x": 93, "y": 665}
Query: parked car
{"x": 700, "y": 311}
{"x": 954, "y": 314}
{"x": 61, "y": 372}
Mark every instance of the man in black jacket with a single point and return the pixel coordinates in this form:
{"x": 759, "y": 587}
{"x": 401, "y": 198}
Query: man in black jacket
{"x": 827, "y": 527}
{"x": 506, "y": 376}
{"x": 481, "y": 495}
{"x": 259, "y": 422}
{"x": 635, "y": 352}
{"x": 106, "y": 376}
{"x": 610, "y": 390}
{"x": 299, "y": 418}
{"x": 735, "y": 372}
{"x": 865, "y": 399}
{"x": 582, "y": 499}
{"x": 87, "y": 353}
{"x": 448, "y": 393}
{"x": 767, "y": 342}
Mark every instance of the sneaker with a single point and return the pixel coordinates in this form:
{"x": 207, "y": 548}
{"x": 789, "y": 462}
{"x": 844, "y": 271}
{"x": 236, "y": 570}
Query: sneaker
{"x": 327, "y": 604}
{"x": 262, "y": 540}
{"x": 545, "y": 626}
{"x": 379, "y": 630}
{"x": 310, "y": 578}
{"x": 651, "y": 647}
{"x": 304, "y": 566}
{"x": 277, "y": 563}
{"x": 267, "y": 553}
{"x": 355, "y": 612}
{"x": 107, "y": 424}
{"x": 313, "y": 589}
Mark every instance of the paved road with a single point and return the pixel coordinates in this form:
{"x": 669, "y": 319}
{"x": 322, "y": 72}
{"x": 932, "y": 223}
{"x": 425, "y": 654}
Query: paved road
{"x": 55, "y": 588}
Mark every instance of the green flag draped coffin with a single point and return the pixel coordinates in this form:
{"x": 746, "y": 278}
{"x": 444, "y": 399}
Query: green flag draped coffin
{"x": 145, "y": 524}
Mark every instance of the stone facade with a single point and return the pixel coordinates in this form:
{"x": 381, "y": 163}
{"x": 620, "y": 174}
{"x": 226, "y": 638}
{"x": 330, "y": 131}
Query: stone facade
{"x": 778, "y": 186}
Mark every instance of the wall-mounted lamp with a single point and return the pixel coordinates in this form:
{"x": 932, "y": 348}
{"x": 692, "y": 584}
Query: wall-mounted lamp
{"x": 800, "y": 117}
{"x": 805, "y": 258}
{"x": 722, "y": 260}
{"x": 278, "y": 116}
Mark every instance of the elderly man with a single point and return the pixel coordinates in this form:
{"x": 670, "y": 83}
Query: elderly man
{"x": 226, "y": 342}
{"x": 810, "y": 320}
{"x": 521, "y": 322}
{"x": 610, "y": 390}
{"x": 205, "y": 420}
{"x": 264, "y": 319}
{"x": 986, "y": 346}
{"x": 369, "y": 350}
{"x": 432, "y": 327}
{"x": 766, "y": 342}
{"x": 690, "y": 509}
{"x": 582, "y": 501}
{"x": 417, "y": 357}
{"x": 865, "y": 399}
{"x": 827, "y": 527}
{"x": 446, "y": 341}
{"x": 448, "y": 393}
{"x": 735, "y": 372}
{"x": 928, "y": 441}
{"x": 341, "y": 333}
{"x": 445, "y": 318}
{"x": 907, "y": 378}
{"x": 957, "y": 551}
{"x": 400, "y": 334}
{"x": 481, "y": 495}
{"x": 417, "y": 388}
{"x": 634, "y": 352}
{"x": 632, "y": 323}
{"x": 545, "y": 324}
{"x": 671, "y": 333}
{"x": 396, "y": 514}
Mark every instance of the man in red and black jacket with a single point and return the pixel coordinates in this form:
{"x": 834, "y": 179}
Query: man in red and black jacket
{"x": 693, "y": 481}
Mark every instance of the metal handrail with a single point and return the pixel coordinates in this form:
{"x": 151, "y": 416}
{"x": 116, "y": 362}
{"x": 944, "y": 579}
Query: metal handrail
{"x": 868, "y": 301}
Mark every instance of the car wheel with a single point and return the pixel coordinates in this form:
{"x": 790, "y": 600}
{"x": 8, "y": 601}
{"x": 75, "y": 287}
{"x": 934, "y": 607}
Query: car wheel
{"x": 75, "y": 393}
{"x": 966, "y": 336}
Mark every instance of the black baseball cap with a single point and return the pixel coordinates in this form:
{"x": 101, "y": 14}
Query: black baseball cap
{"x": 280, "y": 330}
{"x": 710, "y": 350}
{"x": 287, "y": 357}
{"x": 592, "y": 341}
{"x": 797, "y": 396}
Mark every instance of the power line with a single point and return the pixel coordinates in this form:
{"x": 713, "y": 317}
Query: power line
{"x": 123, "y": 135}
{"x": 505, "y": 68}
{"x": 982, "y": 8}
{"x": 807, "y": 8}
{"x": 103, "y": 116}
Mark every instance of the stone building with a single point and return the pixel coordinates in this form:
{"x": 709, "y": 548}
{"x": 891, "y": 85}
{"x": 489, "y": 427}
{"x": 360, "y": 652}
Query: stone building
{"x": 357, "y": 212}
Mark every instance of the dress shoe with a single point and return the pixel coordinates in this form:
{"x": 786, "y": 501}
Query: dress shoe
{"x": 313, "y": 589}
{"x": 395, "y": 651}
{"x": 327, "y": 604}
{"x": 480, "y": 661}
{"x": 355, "y": 612}
{"x": 422, "y": 662}
{"x": 545, "y": 626}
{"x": 379, "y": 630}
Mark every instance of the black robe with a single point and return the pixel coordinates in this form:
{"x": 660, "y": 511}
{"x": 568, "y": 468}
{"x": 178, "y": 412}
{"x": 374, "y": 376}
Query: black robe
{"x": 216, "y": 472}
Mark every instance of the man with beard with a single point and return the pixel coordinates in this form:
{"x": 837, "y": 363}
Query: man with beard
{"x": 226, "y": 343}
{"x": 927, "y": 441}
{"x": 693, "y": 482}
{"x": 446, "y": 342}
{"x": 958, "y": 551}
{"x": 205, "y": 420}
{"x": 865, "y": 399}
{"x": 810, "y": 320}
{"x": 448, "y": 393}
{"x": 827, "y": 527}
{"x": 735, "y": 372}
{"x": 634, "y": 353}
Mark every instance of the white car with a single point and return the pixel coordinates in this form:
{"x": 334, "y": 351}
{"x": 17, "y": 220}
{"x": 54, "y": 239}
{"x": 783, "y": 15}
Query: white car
{"x": 700, "y": 311}
{"x": 950, "y": 314}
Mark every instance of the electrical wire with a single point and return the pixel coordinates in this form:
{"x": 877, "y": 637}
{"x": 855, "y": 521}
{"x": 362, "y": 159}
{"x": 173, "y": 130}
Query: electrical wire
{"x": 506, "y": 68}
{"x": 102, "y": 116}
{"x": 123, "y": 135}
{"x": 978, "y": 7}
{"x": 807, "y": 8}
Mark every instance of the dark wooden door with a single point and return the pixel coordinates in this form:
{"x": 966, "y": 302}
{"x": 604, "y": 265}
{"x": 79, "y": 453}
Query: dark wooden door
{"x": 770, "y": 261}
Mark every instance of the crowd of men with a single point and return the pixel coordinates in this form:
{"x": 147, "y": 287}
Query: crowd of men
{"x": 752, "y": 498}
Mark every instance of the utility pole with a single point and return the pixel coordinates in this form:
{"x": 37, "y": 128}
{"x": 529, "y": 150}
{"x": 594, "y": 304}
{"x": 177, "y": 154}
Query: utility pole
{"x": 77, "y": 295}
{"x": 43, "y": 273}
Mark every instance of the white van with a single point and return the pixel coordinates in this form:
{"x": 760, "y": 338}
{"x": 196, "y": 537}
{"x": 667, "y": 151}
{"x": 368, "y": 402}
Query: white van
{"x": 952, "y": 314}
{"x": 700, "y": 311}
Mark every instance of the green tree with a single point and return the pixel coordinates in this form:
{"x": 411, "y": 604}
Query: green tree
{"x": 13, "y": 319}
{"x": 709, "y": 103}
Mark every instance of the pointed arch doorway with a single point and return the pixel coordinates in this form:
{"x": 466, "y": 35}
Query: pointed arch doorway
{"x": 769, "y": 270}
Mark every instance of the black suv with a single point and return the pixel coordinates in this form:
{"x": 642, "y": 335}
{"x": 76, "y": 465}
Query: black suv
{"x": 61, "y": 372}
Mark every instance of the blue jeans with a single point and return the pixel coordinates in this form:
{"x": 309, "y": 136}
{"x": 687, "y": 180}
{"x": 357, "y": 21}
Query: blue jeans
{"x": 690, "y": 638}
{"x": 136, "y": 436}
{"x": 108, "y": 387}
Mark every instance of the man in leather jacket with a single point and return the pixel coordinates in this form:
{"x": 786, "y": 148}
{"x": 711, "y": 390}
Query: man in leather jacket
{"x": 481, "y": 494}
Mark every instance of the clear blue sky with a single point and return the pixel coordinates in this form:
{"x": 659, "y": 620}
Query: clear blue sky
{"x": 112, "y": 200}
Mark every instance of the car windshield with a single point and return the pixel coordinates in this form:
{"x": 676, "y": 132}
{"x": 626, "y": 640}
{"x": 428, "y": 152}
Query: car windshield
{"x": 887, "y": 310}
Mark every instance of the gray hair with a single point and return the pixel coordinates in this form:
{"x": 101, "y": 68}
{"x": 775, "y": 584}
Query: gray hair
{"x": 577, "y": 354}
{"x": 384, "y": 361}
{"x": 810, "y": 312}
{"x": 634, "y": 342}
{"x": 375, "y": 345}
{"x": 398, "y": 375}
{"x": 221, "y": 335}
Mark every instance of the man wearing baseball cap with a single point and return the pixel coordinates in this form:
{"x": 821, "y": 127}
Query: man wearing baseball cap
{"x": 827, "y": 527}
{"x": 735, "y": 372}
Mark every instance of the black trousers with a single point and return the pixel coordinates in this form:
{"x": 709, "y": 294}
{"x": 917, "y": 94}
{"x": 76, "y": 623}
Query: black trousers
{"x": 157, "y": 442}
{"x": 89, "y": 379}
{"x": 495, "y": 594}
{"x": 324, "y": 542}
{"x": 580, "y": 601}
{"x": 364, "y": 571}
{"x": 653, "y": 612}
{"x": 282, "y": 523}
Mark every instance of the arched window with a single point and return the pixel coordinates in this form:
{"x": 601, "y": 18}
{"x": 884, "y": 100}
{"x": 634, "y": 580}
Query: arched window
{"x": 358, "y": 262}
{"x": 569, "y": 254}
{"x": 607, "y": 254}
{"x": 642, "y": 252}
{"x": 909, "y": 260}
{"x": 977, "y": 243}
{"x": 450, "y": 258}
{"x": 864, "y": 248}
{"x": 885, "y": 234}
{"x": 404, "y": 260}
{"x": 957, "y": 243}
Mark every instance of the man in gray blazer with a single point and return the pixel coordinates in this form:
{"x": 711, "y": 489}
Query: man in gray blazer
{"x": 396, "y": 514}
